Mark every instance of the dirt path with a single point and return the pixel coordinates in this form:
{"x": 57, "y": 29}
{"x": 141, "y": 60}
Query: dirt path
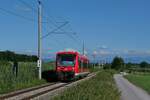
{"x": 130, "y": 91}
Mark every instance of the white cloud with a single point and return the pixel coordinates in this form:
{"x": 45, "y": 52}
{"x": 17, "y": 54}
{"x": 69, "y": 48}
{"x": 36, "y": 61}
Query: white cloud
{"x": 85, "y": 52}
{"x": 138, "y": 53}
{"x": 95, "y": 53}
{"x": 103, "y": 47}
{"x": 128, "y": 52}
{"x": 104, "y": 52}
{"x": 70, "y": 49}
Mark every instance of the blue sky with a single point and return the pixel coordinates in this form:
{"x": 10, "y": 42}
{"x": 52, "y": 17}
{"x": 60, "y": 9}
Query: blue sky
{"x": 106, "y": 26}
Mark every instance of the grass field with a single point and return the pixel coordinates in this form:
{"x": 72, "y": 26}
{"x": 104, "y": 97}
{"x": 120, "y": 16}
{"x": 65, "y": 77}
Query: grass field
{"x": 27, "y": 76}
{"x": 141, "y": 80}
{"x": 101, "y": 87}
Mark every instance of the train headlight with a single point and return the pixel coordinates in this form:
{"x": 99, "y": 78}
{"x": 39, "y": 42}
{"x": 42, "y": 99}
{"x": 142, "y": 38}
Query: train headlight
{"x": 73, "y": 68}
{"x": 58, "y": 68}
{"x": 65, "y": 69}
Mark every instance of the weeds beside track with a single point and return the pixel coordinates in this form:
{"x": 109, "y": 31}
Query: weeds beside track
{"x": 27, "y": 76}
{"x": 100, "y": 87}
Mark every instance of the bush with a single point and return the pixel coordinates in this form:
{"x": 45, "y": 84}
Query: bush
{"x": 144, "y": 64}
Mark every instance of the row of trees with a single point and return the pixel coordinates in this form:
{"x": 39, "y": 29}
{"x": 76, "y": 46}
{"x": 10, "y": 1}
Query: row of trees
{"x": 12, "y": 56}
{"x": 119, "y": 64}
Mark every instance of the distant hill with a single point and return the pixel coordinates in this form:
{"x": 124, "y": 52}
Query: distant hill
{"x": 137, "y": 59}
{"x": 132, "y": 59}
{"x": 108, "y": 59}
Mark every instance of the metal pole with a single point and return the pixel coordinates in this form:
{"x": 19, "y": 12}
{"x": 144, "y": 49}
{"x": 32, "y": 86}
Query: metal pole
{"x": 82, "y": 65}
{"x": 94, "y": 61}
{"x": 83, "y": 48}
{"x": 39, "y": 65}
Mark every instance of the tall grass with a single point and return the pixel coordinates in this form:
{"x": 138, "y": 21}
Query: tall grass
{"x": 48, "y": 66}
{"x": 101, "y": 87}
{"x": 27, "y": 76}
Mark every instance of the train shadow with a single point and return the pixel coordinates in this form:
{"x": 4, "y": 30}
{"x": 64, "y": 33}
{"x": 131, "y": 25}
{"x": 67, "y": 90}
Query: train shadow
{"x": 50, "y": 76}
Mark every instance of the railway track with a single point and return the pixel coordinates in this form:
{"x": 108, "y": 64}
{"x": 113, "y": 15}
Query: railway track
{"x": 42, "y": 92}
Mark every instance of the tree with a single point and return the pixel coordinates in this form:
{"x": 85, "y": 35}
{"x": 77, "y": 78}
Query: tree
{"x": 107, "y": 66}
{"x": 117, "y": 63}
{"x": 129, "y": 65}
{"x": 144, "y": 64}
{"x": 11, "y": 56}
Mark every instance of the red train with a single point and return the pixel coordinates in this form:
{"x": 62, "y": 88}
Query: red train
{"x": 71, "y": 65}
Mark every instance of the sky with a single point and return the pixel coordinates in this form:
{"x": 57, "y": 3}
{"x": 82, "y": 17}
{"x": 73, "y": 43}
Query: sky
{"x": 107, "y": 27}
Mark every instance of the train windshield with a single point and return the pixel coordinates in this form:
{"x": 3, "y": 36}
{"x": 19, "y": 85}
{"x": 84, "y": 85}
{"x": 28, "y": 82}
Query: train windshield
{"x": 66, "y": 60}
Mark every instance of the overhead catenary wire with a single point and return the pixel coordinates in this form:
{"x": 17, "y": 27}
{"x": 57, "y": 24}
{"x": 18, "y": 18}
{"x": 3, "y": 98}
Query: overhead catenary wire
{"x": 33, "y": 20}
{"x": 17, "y": 15}
{"x": 63, "y": 32}
{"x": 58, "y": 27}
{"x": 35, "y": 10}
{"x": 54, "y": 30}
{"x": 74, "y": 37}
{"x": 28, "y": 5}
{"x": 49, "y": 21}
{"x": 53, "y": 22}
{"x": 55, "y": 42}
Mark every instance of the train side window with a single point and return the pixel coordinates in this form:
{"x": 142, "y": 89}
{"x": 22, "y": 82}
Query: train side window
{"x": 80, "y": 63}
{"x": 84, "y": 64}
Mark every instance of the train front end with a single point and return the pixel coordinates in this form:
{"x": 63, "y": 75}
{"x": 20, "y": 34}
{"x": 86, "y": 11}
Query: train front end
{"x": 65, "y": 65}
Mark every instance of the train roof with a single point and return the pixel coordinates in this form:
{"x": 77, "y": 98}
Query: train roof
{"x": 73, "y": 52}
{"x": 67, "y": 52}
{"x": 84, "y": 57}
